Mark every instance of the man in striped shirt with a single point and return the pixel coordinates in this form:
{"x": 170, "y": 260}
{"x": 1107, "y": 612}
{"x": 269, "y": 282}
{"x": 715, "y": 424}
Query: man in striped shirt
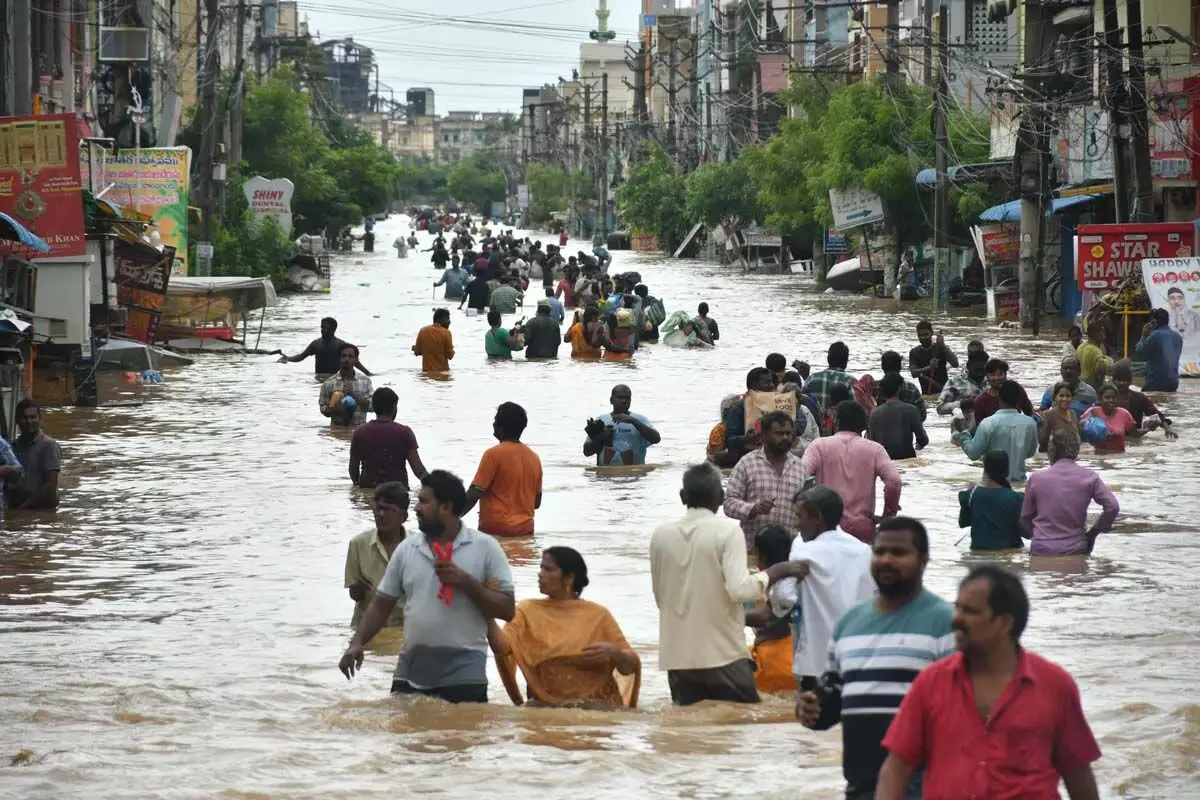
{"x": 878, "y": 648}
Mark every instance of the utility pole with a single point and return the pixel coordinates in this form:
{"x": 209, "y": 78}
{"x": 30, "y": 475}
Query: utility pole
{"x": 239, "y": 78}
{"x": 603, "y": 153}
{"x": 6, "y": 58}
{"x": 1143, "y": 204}
{"x": 674, "y": 66}
{"x": 927, "y": 67}
{"x": 588, "y": 144}
{"x": 941, "y": 216}
{"x": 1118, "y": 119}
{"x": 1032, "y": 166}
{"x": 20, "y": 37}
{"x": 211, "y": 130}
{"x": 893, "y": 46}
{"x": 708, "y": 137}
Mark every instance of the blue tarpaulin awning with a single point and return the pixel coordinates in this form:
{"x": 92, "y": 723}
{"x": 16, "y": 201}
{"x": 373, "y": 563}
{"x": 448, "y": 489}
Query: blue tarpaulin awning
{"x": 968, "y": 173}
{"x": 11, "y": 229}
{"x": 1011, "y": 211}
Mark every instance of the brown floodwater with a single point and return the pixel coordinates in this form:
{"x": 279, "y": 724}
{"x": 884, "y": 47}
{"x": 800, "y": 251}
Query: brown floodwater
{"x": 173, "y": 630}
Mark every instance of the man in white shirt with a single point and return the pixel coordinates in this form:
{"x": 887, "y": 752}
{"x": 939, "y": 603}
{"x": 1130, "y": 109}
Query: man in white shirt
{"x": 701, "y": 585}
{"x": 839, "y": 578}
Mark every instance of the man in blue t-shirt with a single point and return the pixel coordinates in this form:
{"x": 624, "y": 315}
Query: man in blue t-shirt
{"x": 1160, "y": 347}
{"x": 619, "y": 438}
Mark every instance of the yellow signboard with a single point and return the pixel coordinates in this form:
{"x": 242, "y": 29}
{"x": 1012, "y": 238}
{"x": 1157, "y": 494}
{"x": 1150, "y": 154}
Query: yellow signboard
{"x": 163, "y": 192}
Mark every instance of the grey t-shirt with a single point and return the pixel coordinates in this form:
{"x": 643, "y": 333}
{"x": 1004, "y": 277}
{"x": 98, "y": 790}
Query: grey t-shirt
{"x": 39, "y": 457}
{"x": 894, "y": 425}
{"x": 444, "y": 645}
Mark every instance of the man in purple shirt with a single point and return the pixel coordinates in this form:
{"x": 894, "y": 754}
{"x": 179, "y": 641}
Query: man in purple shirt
{"x": 1057, "y": 500}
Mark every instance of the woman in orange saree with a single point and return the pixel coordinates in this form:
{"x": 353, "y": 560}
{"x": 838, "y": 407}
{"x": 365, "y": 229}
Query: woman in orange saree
{"x": 570, "y": 651}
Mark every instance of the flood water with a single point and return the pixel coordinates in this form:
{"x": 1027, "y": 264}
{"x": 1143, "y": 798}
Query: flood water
{"x": 173, "y": 631}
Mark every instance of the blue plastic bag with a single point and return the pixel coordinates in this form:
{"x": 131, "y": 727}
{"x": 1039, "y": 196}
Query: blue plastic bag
{"x": 1094, "y": 430}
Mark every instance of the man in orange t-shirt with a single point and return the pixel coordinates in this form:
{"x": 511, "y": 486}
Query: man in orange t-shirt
{"x": 434, "y": 343}
{"x": 508, "y": 483}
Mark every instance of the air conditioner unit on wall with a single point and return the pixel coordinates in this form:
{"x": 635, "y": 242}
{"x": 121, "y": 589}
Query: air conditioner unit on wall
{"x": 124, "y": 44}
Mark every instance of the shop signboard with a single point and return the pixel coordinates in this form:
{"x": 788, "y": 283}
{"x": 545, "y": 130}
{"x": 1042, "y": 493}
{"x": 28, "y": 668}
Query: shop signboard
{"x": 855, "y": 206}
{"x": 271, "y": 197}
{"x": 40, "y": 184}
{"x": 161, "y": 192}
{"x": 998, "y": 245}
{"x": 1105, "y": 254}
{"x": 142, "y": 288}
{"x": 836, "y": 242}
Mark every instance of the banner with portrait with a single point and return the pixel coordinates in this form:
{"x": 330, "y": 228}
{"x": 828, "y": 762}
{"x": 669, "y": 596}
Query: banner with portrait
{"x": 1174, "y": 284}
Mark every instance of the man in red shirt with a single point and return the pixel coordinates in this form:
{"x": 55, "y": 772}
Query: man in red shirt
{"x": 993, "y": 721}
{"x": 382, "y": 450}
{"x": 988, "y": 401}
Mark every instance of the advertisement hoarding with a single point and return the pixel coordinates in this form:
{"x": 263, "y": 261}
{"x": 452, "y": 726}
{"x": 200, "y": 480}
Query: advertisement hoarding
{"x": 1106, "y": 253}
{"x": 1174, "y": 284}
{"x": 163, "y": 191}
{"x": 40, "y": 185}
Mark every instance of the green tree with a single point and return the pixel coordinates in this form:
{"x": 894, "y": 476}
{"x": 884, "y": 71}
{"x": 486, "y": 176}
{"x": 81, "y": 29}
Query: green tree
{"x": 722, "y": 191}
{"x": 478, "y": 181}
{"x": 651, "y": 198}
{"x": 420, "y": 180}
{"x": 258, "y": 248}
{"x": 862, "y": 135}
{"x": 552, "y": 189}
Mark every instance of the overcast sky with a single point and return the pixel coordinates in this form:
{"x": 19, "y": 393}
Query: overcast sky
{"x": 472, "y": 62}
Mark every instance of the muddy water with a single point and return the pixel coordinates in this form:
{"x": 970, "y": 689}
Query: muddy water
{"x": 173, "y": 630}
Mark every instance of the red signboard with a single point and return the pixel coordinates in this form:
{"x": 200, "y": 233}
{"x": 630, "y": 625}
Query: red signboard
{"x": 39, "y": 182}
{"x": 1106, "y": 253}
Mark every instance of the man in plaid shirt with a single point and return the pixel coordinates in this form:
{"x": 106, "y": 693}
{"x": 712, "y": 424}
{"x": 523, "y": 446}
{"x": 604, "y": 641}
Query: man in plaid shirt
{"x": 764, "y": 483}
{"x": 819, "y": 383}
{"x": 966, "y": 385}
{"x": 349, "y": 384}
{"x": 909, "y": 392}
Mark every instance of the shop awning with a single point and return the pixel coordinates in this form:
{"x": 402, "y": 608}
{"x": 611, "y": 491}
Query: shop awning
{"x": 968, "y": 173}
{"x": 246, "y": 294}
{"x": 1011, "y": 211}
{"x": 11, "y": 229}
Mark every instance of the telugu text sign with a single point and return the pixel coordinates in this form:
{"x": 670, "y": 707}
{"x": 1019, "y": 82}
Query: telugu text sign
{"x": 39, "y": 183}
{"x": 161, "y": 192}
{"x": 854, "y": 207}
{"x": 1106, "y": 253}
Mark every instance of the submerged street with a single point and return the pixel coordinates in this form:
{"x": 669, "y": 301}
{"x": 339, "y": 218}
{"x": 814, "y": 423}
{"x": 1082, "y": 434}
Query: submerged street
{"x": 174, "y": 629}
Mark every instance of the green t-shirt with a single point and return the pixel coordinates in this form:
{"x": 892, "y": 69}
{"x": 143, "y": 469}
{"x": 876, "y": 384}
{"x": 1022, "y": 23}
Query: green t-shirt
{"x": 994, "y": 516}
{"x": 496, "y": 344}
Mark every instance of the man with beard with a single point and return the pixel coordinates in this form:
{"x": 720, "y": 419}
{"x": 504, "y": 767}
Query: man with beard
{"x": 992, "y": 720}
{"x": 1085, "y": 396}
{"x": 897, "y": 634}
{"x": 930, "y": 359}
{"x": 762, "y": 485}
{"x": 452, "y": 580}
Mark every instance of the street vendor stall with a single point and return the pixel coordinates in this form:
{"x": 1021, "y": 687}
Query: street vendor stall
{"x": 203, "y": 314}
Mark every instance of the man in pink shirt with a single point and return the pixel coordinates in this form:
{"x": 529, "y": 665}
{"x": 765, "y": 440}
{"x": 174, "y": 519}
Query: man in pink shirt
{"x": 849, "y": 464}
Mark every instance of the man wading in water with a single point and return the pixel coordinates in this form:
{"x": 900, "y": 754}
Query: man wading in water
{"x": 446, "y": 578}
